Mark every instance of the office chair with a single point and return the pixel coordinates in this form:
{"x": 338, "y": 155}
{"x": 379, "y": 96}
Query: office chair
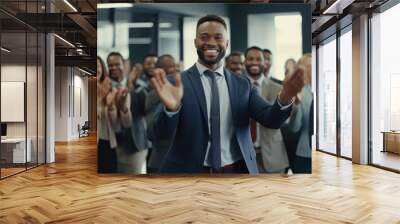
{"x": 84, "y": 130}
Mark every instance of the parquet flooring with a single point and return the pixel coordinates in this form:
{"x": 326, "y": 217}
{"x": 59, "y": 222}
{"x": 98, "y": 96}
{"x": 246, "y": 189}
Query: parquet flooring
{"x": 387, "y": 159}
{"x": 9, "y": 171}
{"x": 70, "y": 191}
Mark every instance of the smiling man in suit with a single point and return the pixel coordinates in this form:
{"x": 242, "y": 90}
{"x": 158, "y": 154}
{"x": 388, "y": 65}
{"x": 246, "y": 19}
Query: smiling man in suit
{"x": 206, "y": 109}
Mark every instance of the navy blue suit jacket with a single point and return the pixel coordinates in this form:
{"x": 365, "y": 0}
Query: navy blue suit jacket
{"x": 189, "y": 131}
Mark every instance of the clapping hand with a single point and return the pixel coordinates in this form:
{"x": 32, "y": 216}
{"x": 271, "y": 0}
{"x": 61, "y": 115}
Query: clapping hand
{"x": 110, "y": 98}
{"x": 134, "y": 75}
{"x": 120, "y": 99}
{"x": 103, "y": 88}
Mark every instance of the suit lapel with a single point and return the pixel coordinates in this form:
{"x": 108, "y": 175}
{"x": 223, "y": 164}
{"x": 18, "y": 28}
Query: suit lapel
{"x": 232, "y": 93}
{"x": 194, "y": 77}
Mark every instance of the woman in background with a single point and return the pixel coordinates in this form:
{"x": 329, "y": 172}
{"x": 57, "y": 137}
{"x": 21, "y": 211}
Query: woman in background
{"x": 301, "y": 122}
{"x": 290, "y": 66}
{"x": 106, "y": 145}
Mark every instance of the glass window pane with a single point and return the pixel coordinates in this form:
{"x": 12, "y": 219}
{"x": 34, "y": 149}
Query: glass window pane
{"x": 346, "y": 94}
{"x": 169, "y": 35}
{"x": 327, "y": 97}
{"x": 385, "y": 89}
{"x": 31, "y": 97}
{"x": 22, "y": 91}
{"x": 14, "y": 153}
{"x": 41, "y": 99}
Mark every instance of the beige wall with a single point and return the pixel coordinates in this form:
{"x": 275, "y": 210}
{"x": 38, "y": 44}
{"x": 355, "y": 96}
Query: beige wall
{"x": 33, "y": 126}
{"x": 17, "y": 73}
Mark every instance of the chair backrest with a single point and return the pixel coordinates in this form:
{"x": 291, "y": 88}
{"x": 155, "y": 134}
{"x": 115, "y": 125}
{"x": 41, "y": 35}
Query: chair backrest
{"x": 86, "y": 125}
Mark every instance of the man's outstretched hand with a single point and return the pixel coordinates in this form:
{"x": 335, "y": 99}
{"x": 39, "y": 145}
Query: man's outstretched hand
{"x": 170, "y": 95}
{"x": 134, "y": 75}
{"x": 292, "y": 85}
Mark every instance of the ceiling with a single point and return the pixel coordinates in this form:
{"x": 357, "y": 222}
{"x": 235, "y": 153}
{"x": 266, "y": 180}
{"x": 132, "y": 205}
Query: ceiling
{"x": 330, "y": 15}
{"x": 74, "y": 21}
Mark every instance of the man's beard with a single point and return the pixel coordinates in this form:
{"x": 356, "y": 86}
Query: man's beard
{"x": 261, "y": 71}
{"x": 114, "y": 76}
{"x": 147, "y": 74}
{"x": 221, "y": 55}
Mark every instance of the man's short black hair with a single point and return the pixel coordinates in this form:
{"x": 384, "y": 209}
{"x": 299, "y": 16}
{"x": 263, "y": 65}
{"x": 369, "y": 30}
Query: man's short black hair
{"x": 267, "y": 51}
{"x": 114, "y": 53}
{"x": 150, "y": 55}
{"x": 253, "y": 48}
{"x": 211, "y": 18}
{"x": 162, "y": 57}
{"x": 234, "y": 53}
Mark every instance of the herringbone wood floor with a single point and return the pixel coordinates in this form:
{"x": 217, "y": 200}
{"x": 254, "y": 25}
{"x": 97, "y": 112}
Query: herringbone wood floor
{"x": 70, "y": 191}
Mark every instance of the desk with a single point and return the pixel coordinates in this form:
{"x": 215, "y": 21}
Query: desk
{"x": 13, "y": 150}
{"x": 391, "y": 141}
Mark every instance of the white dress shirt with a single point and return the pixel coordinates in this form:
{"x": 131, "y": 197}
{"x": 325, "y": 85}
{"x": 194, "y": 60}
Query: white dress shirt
{"x": 230, "y": 152}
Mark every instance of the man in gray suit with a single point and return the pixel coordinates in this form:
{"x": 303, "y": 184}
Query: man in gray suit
{"x": 131, "y": 137}
{"x": 159, "y": 146}
{"x": 273, "y": 151}
{"x": 267, "y": 62}
{"x": 139, "y": 127}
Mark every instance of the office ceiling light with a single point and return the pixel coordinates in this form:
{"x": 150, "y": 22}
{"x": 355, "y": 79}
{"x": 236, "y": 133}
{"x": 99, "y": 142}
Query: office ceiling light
{"x": 141, "y": 25}
{"x": 70, "y": 5}
{"x": 84, "y": 71}
{"x": 80, "y": 45}
{"x": 114, "y": 5}
{"x": 65, "y": 41}
{"x": 80, "y": 51}
{"x": 5, "y": 50}
{"x": 337, "y": 7}
{"x": 165, "y": 25}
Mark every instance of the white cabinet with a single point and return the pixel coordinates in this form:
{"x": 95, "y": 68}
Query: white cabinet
{"x": 16, "y": 146}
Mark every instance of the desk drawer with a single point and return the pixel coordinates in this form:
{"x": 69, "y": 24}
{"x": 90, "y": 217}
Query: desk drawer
{"x": 15, "y": 152}
{"x": 392, "y": 142}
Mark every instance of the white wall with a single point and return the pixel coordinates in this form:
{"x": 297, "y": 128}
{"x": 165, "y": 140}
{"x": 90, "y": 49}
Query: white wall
{"x": 13, "y": 73}
{"x": 69, "y": 85}
{"x": 279, "y": 32}
{"x": 261, "y": 33}
{"x": 105, "y": 34}
{"x": 80, "y": 84}
{"x": 61, "y": 103}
